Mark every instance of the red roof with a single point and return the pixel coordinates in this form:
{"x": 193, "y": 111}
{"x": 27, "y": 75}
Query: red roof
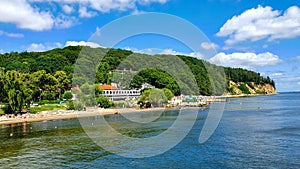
{"x": 107, "y": 87}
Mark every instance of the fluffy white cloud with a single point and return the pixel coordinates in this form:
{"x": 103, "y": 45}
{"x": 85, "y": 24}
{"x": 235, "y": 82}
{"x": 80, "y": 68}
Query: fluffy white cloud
{"x": 27, "y": 14}
{"x": 40, "y": 47}
{"x": 245, "y": 60}
{"x": 21, "y": 13}
{"x": 68, "y": 9}
{"x": 12, "y": 35}
{"x": 83, "y": 43}
{"x": 260, "y": 23}
{"x": 83, "y": 13}
{"x": 209, "y": 45}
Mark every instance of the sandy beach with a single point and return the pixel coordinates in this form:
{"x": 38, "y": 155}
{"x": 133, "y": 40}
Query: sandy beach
{"x": 65, "y": 114}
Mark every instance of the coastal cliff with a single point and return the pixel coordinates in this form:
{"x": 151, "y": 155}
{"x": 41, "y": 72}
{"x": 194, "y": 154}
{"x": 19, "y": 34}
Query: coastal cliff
{"x": 240, "y": 88}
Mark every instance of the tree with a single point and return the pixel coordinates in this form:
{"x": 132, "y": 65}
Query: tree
{"x": 103, "y": 75}
{"x": 168, "y": 93}
{"x": 154, "y": 96}
{"x": 62, "y": 79}
{"x": 16, "y": 90}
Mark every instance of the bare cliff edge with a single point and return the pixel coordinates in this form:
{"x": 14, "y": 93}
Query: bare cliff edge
{"x": 241, "y": 88}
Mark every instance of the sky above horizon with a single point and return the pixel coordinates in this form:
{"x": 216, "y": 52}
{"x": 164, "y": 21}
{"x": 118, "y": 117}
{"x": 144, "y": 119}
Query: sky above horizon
{"x": 262, "y": 36}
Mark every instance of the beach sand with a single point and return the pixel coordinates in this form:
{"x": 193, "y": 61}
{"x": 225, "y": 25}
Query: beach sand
{"x": 50, "y": 115}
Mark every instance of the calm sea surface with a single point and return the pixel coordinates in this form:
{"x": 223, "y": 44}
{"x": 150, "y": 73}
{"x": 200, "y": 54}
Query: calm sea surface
{"x": 255, "y": 132}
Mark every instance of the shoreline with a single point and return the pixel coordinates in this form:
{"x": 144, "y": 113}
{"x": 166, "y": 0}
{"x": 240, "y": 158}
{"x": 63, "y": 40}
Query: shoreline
{"x": 64, "y": 114}
{"x": 247, "y": 95}
{"x": 76, "y": 114}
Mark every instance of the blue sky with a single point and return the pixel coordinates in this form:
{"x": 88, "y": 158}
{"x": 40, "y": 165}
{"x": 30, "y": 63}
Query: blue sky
{"x": 263, "y": 36}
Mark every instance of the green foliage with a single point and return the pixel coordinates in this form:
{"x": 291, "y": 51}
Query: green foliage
{"x": 247, "y": 76}
{"x": 168, "y": 93}
{"x": 141, "y": 103}
{"x": 156, "y": 96}
{"x": 244, "y": 89}
{"x": 148, "y": 105}
{"x": 2, "y": 111}
{"x": 16, "y": 90}
{"x": 48, "y": 95}
{"x": 157, "y": 78}
{"x": 68, "y": 95}
{"x": 7, "y": 109}
{"x": 103, "y": 75}
{"x": 71, "y": 105}
{"x": 104, "y": 102}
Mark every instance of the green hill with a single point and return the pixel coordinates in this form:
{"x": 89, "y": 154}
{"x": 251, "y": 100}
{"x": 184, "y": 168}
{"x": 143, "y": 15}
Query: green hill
{"x": 64, "y": 59}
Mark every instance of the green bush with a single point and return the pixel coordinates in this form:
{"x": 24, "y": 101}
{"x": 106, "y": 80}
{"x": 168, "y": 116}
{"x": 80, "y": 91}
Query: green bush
{"x": 148, "y": 105}
{"x": 68, "y": 95}
{"x": 2, "y": 111}
{"x": 244, "y": 89}
{"x": 7, "y": 109}
{"x": 75, "y": 106}
{"x": 104, "y": 102}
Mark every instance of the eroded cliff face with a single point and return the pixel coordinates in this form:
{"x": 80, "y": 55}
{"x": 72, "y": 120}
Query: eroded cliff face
{"x": 250, "y": 88}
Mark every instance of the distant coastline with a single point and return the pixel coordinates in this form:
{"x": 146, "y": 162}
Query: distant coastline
{"x": 90, "y": 112}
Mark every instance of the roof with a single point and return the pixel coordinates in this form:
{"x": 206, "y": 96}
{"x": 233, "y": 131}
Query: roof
{"x": 107, "y": 87}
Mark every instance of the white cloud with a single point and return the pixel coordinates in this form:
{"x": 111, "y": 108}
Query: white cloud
{"x": 83, "y": 13}
{"x": 297, "y": 57}
{"x": 12, "y": 35}
{"x": 137, "y": 12}
{"x": 83, "y": 43}
{"x": 40, "y": 47}
{"x": 105, "y": 6}
{"x": 21, "y": 13}
{"x": 63, "y": 21}
{"x": 245, "y": 60}
{"x": 1, "y": 51}
{"x": 261, "y": 23}
{"x": 68, "y": 9}
{"x": 154, "y": 51}
{"x": 209, "y": 45}
{"x": 276, "y": 74}
{"x": 28, "y": 14}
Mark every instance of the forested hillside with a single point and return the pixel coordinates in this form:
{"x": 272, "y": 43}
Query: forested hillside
{"x": 58, "y": 65}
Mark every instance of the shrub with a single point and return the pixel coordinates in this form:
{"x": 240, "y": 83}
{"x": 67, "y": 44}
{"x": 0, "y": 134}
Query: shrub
{"x": 7, "y": 109}
{"x": 244, "y": 89}
{"x": 68, "y": 95}
{"x": 75, "y": 105}
{"x": 148, "y": 105}
{"x": 104, "y": 102}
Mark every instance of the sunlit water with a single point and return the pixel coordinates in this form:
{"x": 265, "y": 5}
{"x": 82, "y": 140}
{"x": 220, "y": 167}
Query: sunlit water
{"x": 255, "y": 132}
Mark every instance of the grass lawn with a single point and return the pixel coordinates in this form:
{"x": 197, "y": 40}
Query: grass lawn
{"x": 47, "y": 107}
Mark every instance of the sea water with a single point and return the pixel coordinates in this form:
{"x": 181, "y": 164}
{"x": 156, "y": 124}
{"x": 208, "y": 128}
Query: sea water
{"x": 254, "y": 132}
